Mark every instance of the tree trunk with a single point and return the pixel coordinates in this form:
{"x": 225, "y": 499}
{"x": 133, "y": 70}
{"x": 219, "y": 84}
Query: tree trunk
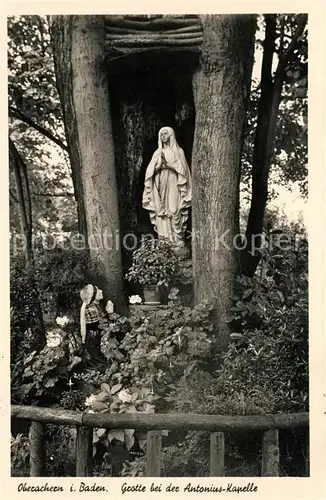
{"x": 261, "y": 154}
{"x": 78, "y": 44}
{"x": 23, "y": 198}
{"x": 25, "y": 212}
{"x": 270, "y": 98}
{"x": 221, "y": 87}
{"x": 61, "y": 28}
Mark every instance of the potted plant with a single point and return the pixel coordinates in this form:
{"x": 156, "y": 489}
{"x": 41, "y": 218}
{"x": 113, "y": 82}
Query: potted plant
{"x": 154, "y": 265}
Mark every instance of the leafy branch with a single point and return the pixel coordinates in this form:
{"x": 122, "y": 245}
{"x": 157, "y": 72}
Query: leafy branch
{"x": 302, "y": 21}
{"x": 14, "y": 112}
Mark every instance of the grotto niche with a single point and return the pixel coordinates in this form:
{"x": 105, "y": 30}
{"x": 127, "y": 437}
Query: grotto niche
{"x": 148, "y": 90}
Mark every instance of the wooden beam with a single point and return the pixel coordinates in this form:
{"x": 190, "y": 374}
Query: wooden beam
{"x": 154, "y": 450}
{"x": 141, "y": 37}
{"x": 142, "y": 17}
{"x": 192, "y": 421}
{"x": 151, "y": 24}
{"x": 176, "y": 421}
{"x": 290, "y": 420}
{"x": 150, "y": 17}
{"x": 46, "y": 415}
{"x": 186, "y": 29}
{"x": 37, "y": 450}
{"x": 112, "y": 30}
{"x": 113, "y": 53}
{"x": 270, "y": 453}
{"x": 84, "y": 452}
{"x": 217, "y": 453}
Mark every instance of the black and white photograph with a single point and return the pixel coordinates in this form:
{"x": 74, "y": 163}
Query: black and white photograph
{"x": 158, "y": 193}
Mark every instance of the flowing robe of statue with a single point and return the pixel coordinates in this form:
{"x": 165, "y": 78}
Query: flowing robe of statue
{"x": 167, "y": 189}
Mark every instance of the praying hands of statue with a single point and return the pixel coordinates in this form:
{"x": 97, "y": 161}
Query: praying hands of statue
{"x": 163, "y": 160}
{"x": 162, "y": 164}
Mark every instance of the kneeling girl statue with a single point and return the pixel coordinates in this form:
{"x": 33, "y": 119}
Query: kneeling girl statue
{"x": 92, "y": 317}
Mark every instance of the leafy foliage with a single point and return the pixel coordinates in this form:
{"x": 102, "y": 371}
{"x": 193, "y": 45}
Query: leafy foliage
{"x": 169, "y": 362}
{"x": 20, "y": 452}
{"x": 175, "y": 332}
{"x": 265, "y": 368}
{"x": 272, "y": 314}
{"x": 60, "y": 275}
{"x": 61, "y": 451}
{"x": 290, "y": 158}
{"x": 114, "y": 399}
{"x": 152, "y": 354}
{"x": 23, "y": 297}
{"x": 73, "y": 399}
{"x": 154, "y": 263}
{"x": 31, "y": 79}
{"x": 47, "y": 373}
{"x": 34, "y": 110}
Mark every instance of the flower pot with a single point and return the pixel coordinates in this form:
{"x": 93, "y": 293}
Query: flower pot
{"x": 151, "y": 295}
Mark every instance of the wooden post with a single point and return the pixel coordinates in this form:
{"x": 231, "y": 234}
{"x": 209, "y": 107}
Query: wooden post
{"x": 37, "y": 454}
{"x": 270, "y": 454}
{"x": 217, "y": 450}
{"x": 154, "y": 448}
{"x": 84, "y": 452}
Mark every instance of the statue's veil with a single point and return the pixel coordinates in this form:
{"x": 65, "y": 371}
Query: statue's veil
{"x": 174, "y": 146}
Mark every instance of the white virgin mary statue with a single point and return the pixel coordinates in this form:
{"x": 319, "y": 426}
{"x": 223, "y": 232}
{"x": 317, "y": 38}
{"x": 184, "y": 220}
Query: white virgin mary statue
{"x": 167, "y": 189}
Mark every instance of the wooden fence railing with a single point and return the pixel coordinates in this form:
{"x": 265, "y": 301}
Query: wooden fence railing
{"x": 217, "y": 425}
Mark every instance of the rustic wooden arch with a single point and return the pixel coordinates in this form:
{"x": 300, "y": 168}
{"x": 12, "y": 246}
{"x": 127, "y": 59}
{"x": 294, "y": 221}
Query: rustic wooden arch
{"x": 125, "y": 34}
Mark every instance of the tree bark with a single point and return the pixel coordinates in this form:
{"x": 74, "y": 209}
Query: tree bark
{"x": 61, "y": 28}
{"x": 23, "y": 198}
{"x": 260, "y": 163}
{"x": 221, "y": 87}
{"x": 25, "y": 212}
{"x": 78, "y": 43}
{"x": 37, "y": 450}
